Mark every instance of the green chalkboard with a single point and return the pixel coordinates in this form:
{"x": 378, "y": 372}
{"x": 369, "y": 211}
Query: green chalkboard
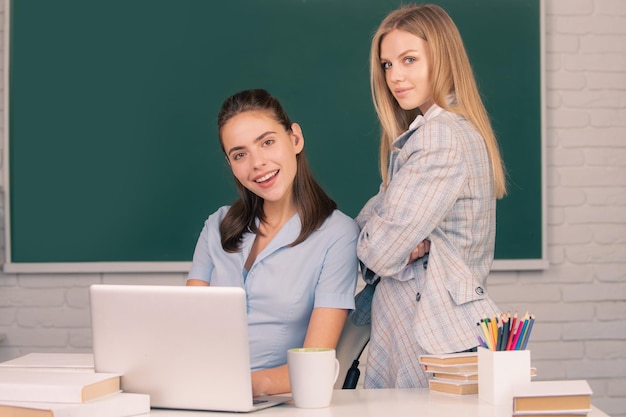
{"x": 113, "y": 151}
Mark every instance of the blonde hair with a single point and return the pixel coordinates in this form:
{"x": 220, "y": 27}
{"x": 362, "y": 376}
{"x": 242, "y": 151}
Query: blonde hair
{"x": 451, "y": 72}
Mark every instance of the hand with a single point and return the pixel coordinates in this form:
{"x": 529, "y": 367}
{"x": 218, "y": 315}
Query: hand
{"x": 260, "y": 383}
{"x": 422, "y": 249}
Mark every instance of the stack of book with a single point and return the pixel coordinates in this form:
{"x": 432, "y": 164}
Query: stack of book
{"x": 552, "y": 398}
{"x": 454, "y": 373}
{"x": 64, "y": 387}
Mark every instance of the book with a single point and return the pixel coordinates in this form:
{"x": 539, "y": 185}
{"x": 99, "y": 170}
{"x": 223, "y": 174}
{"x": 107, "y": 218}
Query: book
{"x": 68, "y": 387}
{"x": 464, "y": 376}
{"x": 461, "y": 368}
{"x": 574, "y": 395}
{"x": 116, "y": 405}
{"x": 459, "y": 376}
{"x": 54, "y": 362}
{"x": 449, "y": 359}
{"x": 581, "y": 413}
{"x": 453, "y": 387}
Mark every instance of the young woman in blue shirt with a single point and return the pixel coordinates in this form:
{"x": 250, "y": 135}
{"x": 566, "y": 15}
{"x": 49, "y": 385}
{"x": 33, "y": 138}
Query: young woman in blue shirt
{"x": 283, "y": 240}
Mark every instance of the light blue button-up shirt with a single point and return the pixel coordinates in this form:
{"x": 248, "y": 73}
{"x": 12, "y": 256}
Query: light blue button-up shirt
{"x": 285, "y": 283}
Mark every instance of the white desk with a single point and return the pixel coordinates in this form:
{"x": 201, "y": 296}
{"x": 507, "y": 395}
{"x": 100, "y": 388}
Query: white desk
{"x": 378, "y": 403}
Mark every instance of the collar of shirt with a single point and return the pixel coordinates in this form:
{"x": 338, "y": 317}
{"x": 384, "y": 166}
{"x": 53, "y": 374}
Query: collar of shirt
{"x": 287, "y": 234}
{"x": 419, "y": 121}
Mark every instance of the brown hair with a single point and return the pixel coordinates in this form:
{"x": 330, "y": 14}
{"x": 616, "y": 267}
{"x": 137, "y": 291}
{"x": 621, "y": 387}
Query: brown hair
{"x": 313, "y": 204}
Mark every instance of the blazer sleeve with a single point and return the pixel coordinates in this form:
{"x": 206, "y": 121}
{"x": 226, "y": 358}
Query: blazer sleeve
{"x": 430, "y": 177}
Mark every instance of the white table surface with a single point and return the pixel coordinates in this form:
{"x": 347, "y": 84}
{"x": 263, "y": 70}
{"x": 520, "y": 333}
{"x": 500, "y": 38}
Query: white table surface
{"x": 379, "y": 403}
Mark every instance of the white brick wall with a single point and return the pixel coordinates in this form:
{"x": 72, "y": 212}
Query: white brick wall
{"x": 580, "y": 301}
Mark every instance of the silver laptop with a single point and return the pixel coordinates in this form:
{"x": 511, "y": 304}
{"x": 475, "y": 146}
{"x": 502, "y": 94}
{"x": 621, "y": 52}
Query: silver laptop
{"x": 185, "y": 346}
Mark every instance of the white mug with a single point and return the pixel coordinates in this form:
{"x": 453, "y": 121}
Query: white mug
{"x": 312, "y": 373}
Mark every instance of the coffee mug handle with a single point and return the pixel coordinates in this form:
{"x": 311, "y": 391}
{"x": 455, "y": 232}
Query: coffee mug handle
{"x": 336, "y": 370}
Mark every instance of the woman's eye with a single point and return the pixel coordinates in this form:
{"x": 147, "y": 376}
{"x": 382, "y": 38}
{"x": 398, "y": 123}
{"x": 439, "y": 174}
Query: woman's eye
{"x": 238, "y": 156}
{"x": 268, "y": 142}
{"x": 386, "y": 65}
{"x": 409, "y": 60}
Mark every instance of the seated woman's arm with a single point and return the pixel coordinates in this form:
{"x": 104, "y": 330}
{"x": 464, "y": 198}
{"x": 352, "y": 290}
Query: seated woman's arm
{"x": 324, "y": 330}
{"x": 191, "y": 282}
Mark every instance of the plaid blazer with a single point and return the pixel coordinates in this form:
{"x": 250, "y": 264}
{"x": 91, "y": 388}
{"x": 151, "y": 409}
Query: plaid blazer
{"x": 441, "y": 189}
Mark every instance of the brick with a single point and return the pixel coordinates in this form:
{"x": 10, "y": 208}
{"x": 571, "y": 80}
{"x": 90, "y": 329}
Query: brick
{"x": 558, "y": 350}
{"x": 77, "y": 297}
{"x": 606, "y": 157}
{"x": 57, "y": 280}
{"x": 556, "y": 216}
{"x": 553, "y": 100}
{"x": 569, "y": 119}
{"x": 7, "y": 280}
{"x": 32, "y": 297}
{"x": 596, "y": 254}
{"x": 609, "y": 62}
{"x": 594, "y": 331}
{"x": 7, "y": 316}
{"x": 607, "y": 272}
{"x": 37, "y": 338}
{"x": 528, "y": 294}
{"x": 616, "y": 387}
{"x": 556, "y": 255}
{"x": 614, "y": 234}
{"x": 572, "y": 25}
{"x": 553, "y": 62}
{"x": 565, "y": 274}
{"x": 608, "y": 25}
{"x": 568, "y": 234}
{"x": 155, "y": 279}
{"x": 563, "y": 197}
{"x": 569, "y": 7}
{"x": 603, "y": 43}
{"x": 612, "y": 311}
{"x": 611, "y": 406}
{"x": 545, "y": 332}
{"x": 591, "y": 101}
{"x": 61, "y": 317}
{"x": 560, "y": 81}
{"x": 606, "y": 196}
{"x": 608, "y": 117}
{"x": 595, "y": 369}
{"x": 608, "y": 81}
{"x": 594, "y": 292}
{"x": 574, "y": 157}
{"x": 592, "y": 176}
{"x": 562, "y": 43}
{"x": 562, "y": 313}
{"x": 553, "y": 178}
{"x": 612, "y": 8}
{"x": 81, "y": 339}
{"x": 594, "y": 137}
{"x": 547, "y": 369}
{"x": 604, "y": 349}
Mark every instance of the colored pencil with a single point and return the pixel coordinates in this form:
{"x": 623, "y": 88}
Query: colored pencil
{"x": 527, "y": 335}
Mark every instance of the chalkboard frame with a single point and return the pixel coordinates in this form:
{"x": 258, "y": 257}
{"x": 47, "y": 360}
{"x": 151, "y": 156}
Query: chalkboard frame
{"x": 11, "y": 265}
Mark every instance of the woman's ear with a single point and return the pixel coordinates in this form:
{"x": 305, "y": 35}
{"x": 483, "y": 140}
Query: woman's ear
{"x": 297, "y": 137}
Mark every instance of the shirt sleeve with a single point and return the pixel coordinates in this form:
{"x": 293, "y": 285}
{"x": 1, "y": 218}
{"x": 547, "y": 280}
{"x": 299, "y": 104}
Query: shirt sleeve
{"x": 337, "y": 282}
{"x": 417, "y": 199}
{"x": 202, "y": 265}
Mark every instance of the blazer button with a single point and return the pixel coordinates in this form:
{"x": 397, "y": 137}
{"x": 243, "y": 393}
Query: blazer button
{"x": 418, "y": 296}
{"x": 479, "y": 290}
{"x": 425, "y": 264}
